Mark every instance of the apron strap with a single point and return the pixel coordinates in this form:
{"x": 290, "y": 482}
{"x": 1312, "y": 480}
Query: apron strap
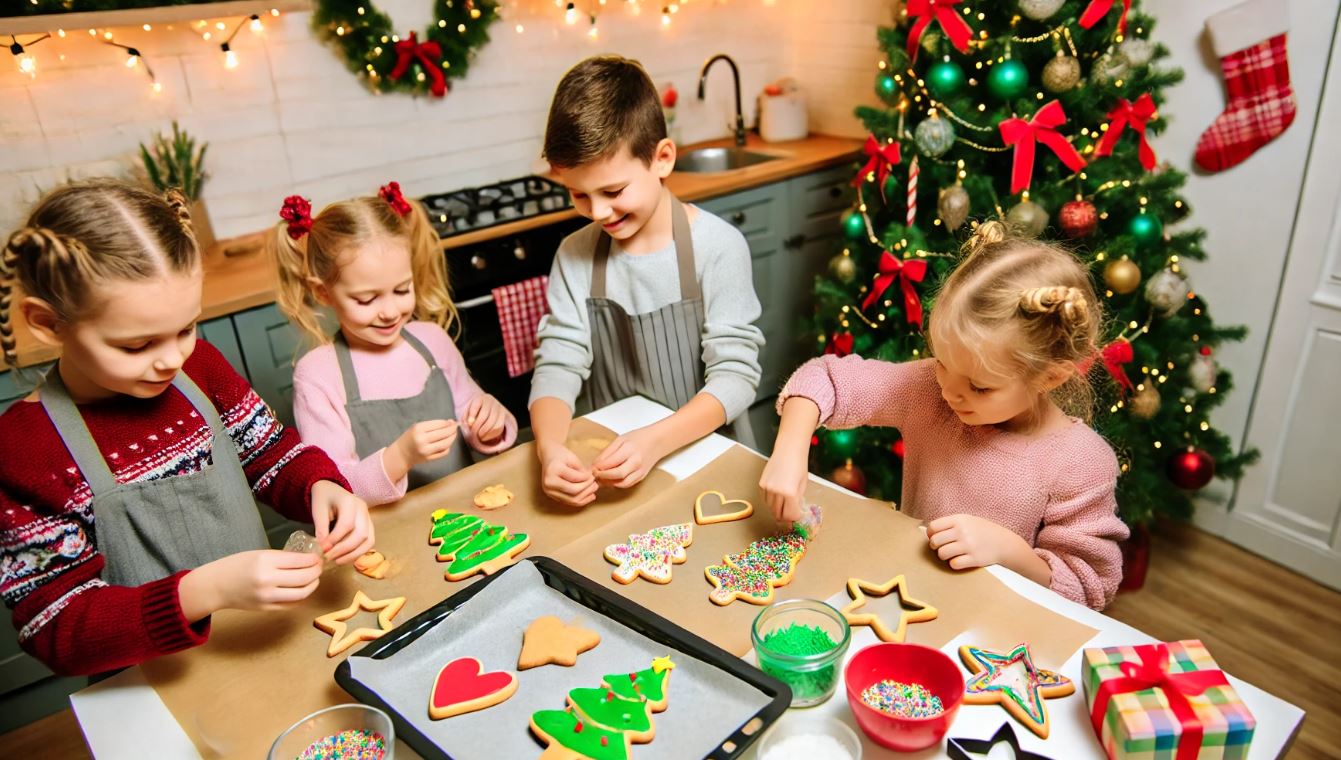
{"x": 419, "y": 346}
{"x": 347, "y": 375}
{"x": 684, "y": 255}
{"x": 74, "y": 432}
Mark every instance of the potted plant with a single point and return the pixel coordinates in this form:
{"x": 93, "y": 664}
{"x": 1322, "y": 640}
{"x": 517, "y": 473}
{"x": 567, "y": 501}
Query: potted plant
{"x": 175, "y": 161}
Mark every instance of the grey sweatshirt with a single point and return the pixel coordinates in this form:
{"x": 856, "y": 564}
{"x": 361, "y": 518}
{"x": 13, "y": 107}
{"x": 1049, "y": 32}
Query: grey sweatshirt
{"x": 644, "y": 283}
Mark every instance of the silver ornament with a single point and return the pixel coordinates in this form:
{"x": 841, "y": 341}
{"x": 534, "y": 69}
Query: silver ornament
{"x": 1028, "y": 217}
{"x": 1039, "y": 10}
{"x": 1109, "y": 68}
{"x": 1202, "y": 372}
{"x": 1167, "y": 291}
{"x": 952, "y": 206}
{"x": 1136, "y": 52}
{"x": 934, "y": 137}
{"x": 1061, "y": 74}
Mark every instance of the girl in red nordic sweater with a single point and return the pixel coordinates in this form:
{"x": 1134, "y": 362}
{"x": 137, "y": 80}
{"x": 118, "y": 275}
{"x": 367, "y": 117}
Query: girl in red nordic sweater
{"x": 127, "y": 478}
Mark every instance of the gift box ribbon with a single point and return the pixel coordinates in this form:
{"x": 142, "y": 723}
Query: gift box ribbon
{"x": 1153, "y": 673}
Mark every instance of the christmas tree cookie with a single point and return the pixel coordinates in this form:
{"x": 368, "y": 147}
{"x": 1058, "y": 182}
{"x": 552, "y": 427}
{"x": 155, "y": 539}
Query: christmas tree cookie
{"x": 568, "y": 737}
{"x": 602, "y": 723}
{"x": 650, "y": 555}
{"x": 753, "y": 574}
{"x": 470, "y": 545}
{"x": 650, "y": 684}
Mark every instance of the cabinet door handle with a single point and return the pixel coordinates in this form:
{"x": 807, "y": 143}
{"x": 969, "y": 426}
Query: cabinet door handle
{"x": 835, "y": 191}
{"x": 478, "y": 262}
{"x": 738, "y": 218}
{"x": 795, "y": 241}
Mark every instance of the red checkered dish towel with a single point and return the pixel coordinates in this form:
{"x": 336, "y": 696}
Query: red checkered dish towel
{"x": 520, "y": 307}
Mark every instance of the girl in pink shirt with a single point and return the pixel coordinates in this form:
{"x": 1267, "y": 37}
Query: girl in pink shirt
{"x": 998, "y": 472}
{"x": 388, "y": 395}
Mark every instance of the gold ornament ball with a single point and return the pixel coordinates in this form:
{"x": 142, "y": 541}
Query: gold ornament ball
{"x": 1028, "y": 218}
{"x": 953, "y": 207}
{"x": 1122, "y": 276}
{"x": 1145, "y": 403}
{"x": 843, "y": 268}
{"x": 1061, "y": 74}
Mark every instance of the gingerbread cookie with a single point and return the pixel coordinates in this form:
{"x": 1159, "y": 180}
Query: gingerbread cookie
{"x": 372, "y": 564}
{"x": 910, "y": 609}
{"x": 335, "y": 623}
{"x": 1011, "y": 680}
{"x": 752, "y": 575}
{"x": 743, "y": 509}
{"x": 471, "y": 545}
{"x": 462, "y": 686}
{"x": 493, "y": 497}
{"x": 650, "y": 555}
{"x": 547, "y": 640}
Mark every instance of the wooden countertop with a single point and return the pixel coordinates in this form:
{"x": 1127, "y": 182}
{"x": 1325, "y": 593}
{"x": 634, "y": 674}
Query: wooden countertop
{"x": 238, "y": 276}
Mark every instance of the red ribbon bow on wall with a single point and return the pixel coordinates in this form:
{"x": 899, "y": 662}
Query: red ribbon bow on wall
{"x": 1042, "y": 128}
{"x": 906, "y": 272}
{"x": 1153, "y": 673}
{"x": 428, "y": 54}
{"x": 882, "y": 159}
{"x": 1135, "y": 115}
{"x": 951, "y": 23}
{"x": 1097, "y": 9}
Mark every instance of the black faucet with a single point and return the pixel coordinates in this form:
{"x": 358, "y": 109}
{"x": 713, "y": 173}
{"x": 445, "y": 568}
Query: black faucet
{"x": 735, "y": 75}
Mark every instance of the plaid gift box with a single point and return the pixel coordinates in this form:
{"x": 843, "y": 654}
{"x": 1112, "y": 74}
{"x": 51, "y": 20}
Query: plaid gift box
{"x": 1165, "y": 702}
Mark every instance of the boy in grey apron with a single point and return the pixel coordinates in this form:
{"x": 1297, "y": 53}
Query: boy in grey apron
{"x": 644, "y": 301}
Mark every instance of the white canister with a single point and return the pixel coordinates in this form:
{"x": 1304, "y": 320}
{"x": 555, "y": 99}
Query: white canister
{"x": 783, "y": 116}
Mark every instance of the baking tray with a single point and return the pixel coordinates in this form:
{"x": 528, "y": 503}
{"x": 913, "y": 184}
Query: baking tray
{"x": 740, "y": 695}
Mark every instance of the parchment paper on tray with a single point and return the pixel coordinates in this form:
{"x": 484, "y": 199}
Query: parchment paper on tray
{"x": 706, "y": 704}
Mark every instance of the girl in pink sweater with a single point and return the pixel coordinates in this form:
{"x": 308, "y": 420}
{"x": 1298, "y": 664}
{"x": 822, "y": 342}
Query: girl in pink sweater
{"x": 389, "y": 394}
{"x": 998, "y": 472}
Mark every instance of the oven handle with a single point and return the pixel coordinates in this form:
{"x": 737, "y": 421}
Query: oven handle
{"x": 473, "y": 302}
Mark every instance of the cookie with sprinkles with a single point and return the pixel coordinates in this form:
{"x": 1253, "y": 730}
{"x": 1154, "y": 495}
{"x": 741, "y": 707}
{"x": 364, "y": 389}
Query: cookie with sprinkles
{"x": 650, "y": 555}
{"x": 1011, "y": 680}
{"x": 753, "y": 574}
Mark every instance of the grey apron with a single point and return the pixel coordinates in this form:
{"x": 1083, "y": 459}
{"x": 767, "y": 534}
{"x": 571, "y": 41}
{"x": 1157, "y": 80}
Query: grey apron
{"x": 377, "y": 424}
{"x": 147, "y": 530}
{"x": 658, "y": 354}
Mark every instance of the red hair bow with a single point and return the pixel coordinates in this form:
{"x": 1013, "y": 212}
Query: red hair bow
{"x": 297, "y": 211}
{"x": 390, "y": 193}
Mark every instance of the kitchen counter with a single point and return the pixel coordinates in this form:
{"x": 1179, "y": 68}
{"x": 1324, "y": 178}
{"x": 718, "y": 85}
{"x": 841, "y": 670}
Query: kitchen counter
{"x": 238, "y": 276}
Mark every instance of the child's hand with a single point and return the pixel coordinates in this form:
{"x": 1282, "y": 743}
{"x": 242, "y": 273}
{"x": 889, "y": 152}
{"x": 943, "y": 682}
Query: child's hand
{"x": 487, "y": 418}
{"x": 265, "y": 579}
{"x": 966, "y": 541}
{"x": 426, "y": 441}
{"x": 783, "y": 486}
{"x": 628, "y": 458}
{"x": 352, "y": 534}
{"x": 564, "y": 479}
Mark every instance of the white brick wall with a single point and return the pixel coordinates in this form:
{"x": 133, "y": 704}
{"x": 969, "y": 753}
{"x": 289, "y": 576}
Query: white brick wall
{"x": 291, "y": 118}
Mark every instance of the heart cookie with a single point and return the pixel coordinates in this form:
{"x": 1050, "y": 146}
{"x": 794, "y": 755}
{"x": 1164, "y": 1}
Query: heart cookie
{"x": 739, "y": 514}
{"x": 462, "y": 686}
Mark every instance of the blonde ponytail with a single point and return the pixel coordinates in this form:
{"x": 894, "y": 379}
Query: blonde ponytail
{"x": 295, "y": 295}
{"x": 432, "y": 292}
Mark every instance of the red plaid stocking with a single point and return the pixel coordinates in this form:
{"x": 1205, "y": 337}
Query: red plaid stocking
{"x": 1250, "y": 40}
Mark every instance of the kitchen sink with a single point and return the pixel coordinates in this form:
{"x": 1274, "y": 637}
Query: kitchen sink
{"x": 709, "y": 160}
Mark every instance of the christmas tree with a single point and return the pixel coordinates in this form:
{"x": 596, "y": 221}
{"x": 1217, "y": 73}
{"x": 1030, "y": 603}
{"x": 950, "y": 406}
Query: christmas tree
{"x": 603, "y": 722}
{"x": 1036, "y": 112}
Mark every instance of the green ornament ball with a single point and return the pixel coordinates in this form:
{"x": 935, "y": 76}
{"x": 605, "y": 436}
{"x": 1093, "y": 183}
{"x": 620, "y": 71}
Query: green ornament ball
{"x": 1008, "y": 79}
{"x": 841, "y": 442}
{"x": 853, "y": 225}
{"x": 1146, "y": 229}
{"x": 862, "y": 344}
{"x": 886, "y": 86}
{"x": 945, "y": 79}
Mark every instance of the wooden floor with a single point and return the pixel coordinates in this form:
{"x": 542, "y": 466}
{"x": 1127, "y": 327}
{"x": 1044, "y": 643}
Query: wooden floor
{"x": 1262, "y": 623}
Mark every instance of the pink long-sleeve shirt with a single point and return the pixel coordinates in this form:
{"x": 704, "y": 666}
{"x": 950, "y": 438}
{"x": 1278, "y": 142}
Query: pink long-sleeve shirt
{"x": 1055, "y": 491}
{"x": 319, "y": 403}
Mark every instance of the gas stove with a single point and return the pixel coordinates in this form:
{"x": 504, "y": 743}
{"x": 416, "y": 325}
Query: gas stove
{"x": 476, "y": 208}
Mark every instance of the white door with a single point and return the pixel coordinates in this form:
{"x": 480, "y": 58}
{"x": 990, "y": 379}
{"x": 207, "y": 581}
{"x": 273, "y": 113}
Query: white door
{"x": 1288, "y": 506}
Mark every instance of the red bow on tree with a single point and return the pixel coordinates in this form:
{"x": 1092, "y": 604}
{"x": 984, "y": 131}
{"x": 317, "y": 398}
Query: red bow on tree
{"x": 297, "y": 211}
{"x": 1153, "y": 673}
{"x": 942, "y": 11}
{"x": 882, "y": 159}
{"x": 1042, "y": 128}
{"x": 390, "y": 193}
{"x": 1097, "y": 9}
{"x": 428, "y": 54}
{"x": 1115, "y": 355}
{"x": 906, "y": 272}
{"x": 840, "y": 345}
{"x": 1136, "y": 115}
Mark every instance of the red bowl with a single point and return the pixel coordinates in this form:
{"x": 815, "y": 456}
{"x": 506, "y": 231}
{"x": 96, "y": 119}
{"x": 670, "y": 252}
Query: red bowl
{"x": 906, "y": 663}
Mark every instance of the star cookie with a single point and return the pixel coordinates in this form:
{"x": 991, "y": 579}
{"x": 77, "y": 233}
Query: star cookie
{"x": 1011, "y": 680}
{"x": 859, "y": 590}
{"x": 336, "y": 623}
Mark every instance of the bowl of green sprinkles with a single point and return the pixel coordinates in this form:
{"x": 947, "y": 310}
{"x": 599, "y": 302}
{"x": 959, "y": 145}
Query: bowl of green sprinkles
{"x": 801, "y": 642}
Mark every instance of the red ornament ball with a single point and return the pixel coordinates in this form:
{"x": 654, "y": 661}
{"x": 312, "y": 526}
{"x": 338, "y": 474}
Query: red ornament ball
{"x": 897, "y": 448}
{"x": 851, "y": 477}
{"x": 1191, "y": 469}
{"x": 1205, "y": 350}
{"x": 1078, "y": 219}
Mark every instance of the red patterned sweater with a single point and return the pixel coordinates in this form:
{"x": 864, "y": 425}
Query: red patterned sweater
{"x": 50, "y": 568}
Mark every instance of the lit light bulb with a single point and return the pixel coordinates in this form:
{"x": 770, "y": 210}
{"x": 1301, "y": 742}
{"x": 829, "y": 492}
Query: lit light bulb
{"x": 665, "y": 16}
{"x": 28, "y": 65}
{"x": 274, "y": 11}
{"x": 520, "y": 28}
{"x": 230, "y": 57}
{"x": 132, "y": 60}
{"x": 255, "y": 24}
{"x": 158, "y": 86}
{"x": 570, "y": 15}
{"x": 592, "y": 33}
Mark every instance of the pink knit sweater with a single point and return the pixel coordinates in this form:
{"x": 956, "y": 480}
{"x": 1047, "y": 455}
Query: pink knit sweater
{"x": 1055, "y": 491}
